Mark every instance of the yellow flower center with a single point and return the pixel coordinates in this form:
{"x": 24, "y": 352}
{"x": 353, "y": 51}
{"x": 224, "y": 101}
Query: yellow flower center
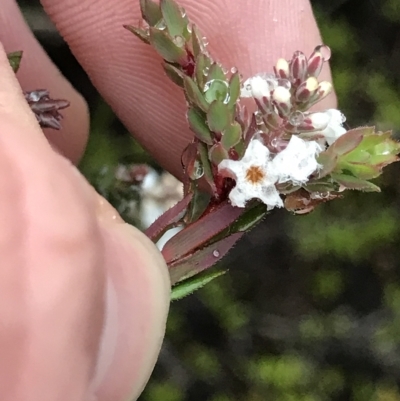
{"x": 255, "y": 174}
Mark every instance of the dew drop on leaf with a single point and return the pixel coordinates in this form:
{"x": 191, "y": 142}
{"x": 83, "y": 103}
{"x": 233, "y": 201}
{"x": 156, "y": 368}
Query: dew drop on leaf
{"x": 216, "y": 89}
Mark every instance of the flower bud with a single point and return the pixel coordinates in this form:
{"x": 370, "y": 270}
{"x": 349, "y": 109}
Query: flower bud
{"x": 298, "y": 66}
{"x": 315, "y": 62}
{"x": 282, "y": 68}
{"x": 307, "y": 89}
{"x": 281, "y": 97}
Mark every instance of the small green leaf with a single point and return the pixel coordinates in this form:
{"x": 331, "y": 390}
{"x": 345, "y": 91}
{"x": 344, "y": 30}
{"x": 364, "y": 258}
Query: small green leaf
{"x": 151, "y": 11}
{"x": 208, "y": 174}
{"x": 198, "y": 205}
{"x": 199, "y": 126}
{"x": 193, "y": 284}
{"x": 320, "y": 186}
{"x": 197, "y": 42}
{"x": 355, "y": 183}
{"x": 201, "y": 69}
{"x": 14, "y": 59}
{"x": 218, "y": 116}
{"x": 174, "y": 73}
{"x": 328, "y": 161}
{"x": 216, "y": 89}
{"x": 164, "y": 45}
{"x": 234, "y": 89}
{"x": 173, "y": 17}
{"x": 217, "y": 153}
{"x": 359, "y": 170}
{"x": 216, "y": 72}
{"x": 139, "y": 33}
{"x": 249, "y": 219}
{"x": 194, "y": 94}
{"x": 231, "y": 135}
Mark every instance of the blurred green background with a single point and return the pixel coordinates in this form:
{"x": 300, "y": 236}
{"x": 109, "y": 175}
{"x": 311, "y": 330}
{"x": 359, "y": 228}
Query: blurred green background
{"x": 310, "y": 309}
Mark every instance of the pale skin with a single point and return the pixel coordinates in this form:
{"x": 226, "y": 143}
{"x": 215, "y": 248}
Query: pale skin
{"x": 84, "y": 297}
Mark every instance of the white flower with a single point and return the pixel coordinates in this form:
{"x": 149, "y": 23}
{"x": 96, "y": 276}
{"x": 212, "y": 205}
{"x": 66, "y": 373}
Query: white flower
{"x": 335, "y": 128}
{"x": 259, "y": 86}
{"x": 298, "y": 161}
{"x": 255, "y": 177}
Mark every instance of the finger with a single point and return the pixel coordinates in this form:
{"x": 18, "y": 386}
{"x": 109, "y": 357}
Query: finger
{"x": 61, "y": 251}
{"x": 38, "y": 72}
{"x": 250, "y": 35}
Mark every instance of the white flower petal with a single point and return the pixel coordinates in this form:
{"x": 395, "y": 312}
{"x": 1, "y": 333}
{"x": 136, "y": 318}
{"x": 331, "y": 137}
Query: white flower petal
{"x": 270, "y": 197}
{"x": 335, "y": 127}
{"x": 298, "y": 161}
{"x": 255, "y": 177}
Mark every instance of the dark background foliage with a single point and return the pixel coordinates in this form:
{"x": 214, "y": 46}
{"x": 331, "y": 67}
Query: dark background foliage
{"x": 310, "y": 309}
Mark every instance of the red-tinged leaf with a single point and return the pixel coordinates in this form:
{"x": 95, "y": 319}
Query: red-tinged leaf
{"x": 168, "y": 219}
{"x": 201, "y": 260}
{"x": 200, "y": 232}
{"x": 348, "y": 141}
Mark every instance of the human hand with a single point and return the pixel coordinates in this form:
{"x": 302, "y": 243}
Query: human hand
{"x": 61, "y": 244}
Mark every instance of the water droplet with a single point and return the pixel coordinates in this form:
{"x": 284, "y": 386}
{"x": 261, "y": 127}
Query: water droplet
{"x": 34, "y": 96}
{"x": 259, "y": 135}
{"x": 285, "y": 83}
{"x": 234, "y": 70}
{"x": 183, "y": 12}
{"x": 259, "y": 118}
{"x": 179, "y": 40}
{"x": 189, "y": 28}
{"x": 271, "y": 80}
{"x": 216, "y": 89}
{"x": 216, "y": 253}
{"x": 224, "y": 70}
{"x": 296, "y": 118}
{"x": 248, "y": 87}
{"x": 274, "y": 142}
{"x": 160, "y": 25}
{"x": 205, "y": 41}
{"x": 206, "y": 70}
{"x": 325, "y": 52}
{"x": 342, "y": 118}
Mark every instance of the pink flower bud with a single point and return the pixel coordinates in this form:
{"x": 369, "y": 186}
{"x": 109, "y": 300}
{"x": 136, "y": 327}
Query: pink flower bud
{"x": 307, "y": 89}
{"x": 281, "y": 97}
{"x": 282, "y": 68}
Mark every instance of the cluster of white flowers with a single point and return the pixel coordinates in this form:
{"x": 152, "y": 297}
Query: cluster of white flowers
{"x": 258, "y": 171}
